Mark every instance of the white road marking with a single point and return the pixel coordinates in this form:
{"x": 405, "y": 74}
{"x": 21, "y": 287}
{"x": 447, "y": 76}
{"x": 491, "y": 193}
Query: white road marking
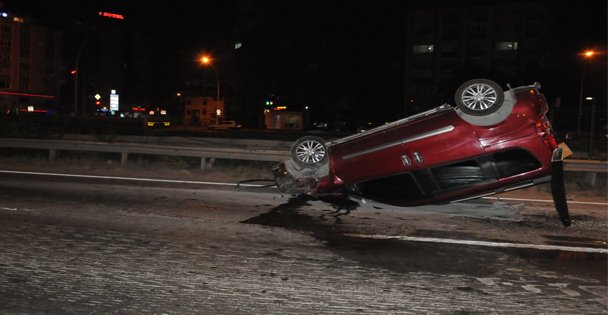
{"x": 14, "y": 209}
{"x": 547, "y": 200}
{"x": 131, "y": 179}
{"x": 479, "y": 243}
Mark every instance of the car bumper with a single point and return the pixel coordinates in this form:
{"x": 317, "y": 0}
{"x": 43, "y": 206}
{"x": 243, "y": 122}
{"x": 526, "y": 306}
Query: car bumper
{"x": 557, "y": 187}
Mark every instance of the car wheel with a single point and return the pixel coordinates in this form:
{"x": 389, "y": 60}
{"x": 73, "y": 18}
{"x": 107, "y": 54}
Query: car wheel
{"x": 309, "y": 151}
{"x": 479, "y": 97}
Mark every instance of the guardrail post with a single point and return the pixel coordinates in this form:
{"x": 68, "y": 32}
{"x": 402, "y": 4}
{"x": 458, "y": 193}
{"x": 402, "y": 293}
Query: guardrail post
{"x": 52, "y": 154}
{"x": 206, "y": 164}
{"x": 591, "y": 178}
{"x": 123, "y": 157}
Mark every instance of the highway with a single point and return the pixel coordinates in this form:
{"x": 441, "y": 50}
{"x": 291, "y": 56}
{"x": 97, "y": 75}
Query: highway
{"x": 128, "y": 244}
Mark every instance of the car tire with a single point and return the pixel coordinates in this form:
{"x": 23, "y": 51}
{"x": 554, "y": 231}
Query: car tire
{"x": 479, "y": 97}
{"x": 309, "y": 151}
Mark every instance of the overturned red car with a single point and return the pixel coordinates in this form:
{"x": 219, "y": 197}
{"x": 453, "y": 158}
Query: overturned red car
{"x": 491, "y": 141}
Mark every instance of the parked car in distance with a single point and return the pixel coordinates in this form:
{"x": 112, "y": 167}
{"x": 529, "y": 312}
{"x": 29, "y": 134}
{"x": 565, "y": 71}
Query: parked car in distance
{"x": 225, "y": 124}
{"x": 490, "y": 142}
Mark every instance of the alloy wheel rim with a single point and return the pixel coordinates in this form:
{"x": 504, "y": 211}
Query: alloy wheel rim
{"x": 479, "y": 97}
{"x": 310, "y": 152}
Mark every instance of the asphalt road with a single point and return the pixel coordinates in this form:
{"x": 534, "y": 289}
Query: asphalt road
{"x": 80, "y": 245}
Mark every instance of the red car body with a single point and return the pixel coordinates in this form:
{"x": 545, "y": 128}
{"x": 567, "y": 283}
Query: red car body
{"x": 439, "y": 156}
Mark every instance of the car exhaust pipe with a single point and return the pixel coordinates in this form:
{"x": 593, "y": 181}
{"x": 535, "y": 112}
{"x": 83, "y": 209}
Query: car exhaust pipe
{"x": 557, "y": 187}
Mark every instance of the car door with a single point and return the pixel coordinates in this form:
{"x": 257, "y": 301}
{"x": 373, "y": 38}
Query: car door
{"x": 396, "y": 165}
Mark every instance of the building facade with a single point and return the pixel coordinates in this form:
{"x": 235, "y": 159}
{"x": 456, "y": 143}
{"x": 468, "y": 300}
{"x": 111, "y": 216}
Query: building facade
{"x": 31, "y": 67}
{"x": 446, "y": 46}
{"x": 202, "y": 111}
{"x": 284, "y": 120}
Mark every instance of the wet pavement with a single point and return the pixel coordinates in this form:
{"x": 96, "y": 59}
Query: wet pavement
{"x": 403, "y": 256}
{"x": 91, "y": 246}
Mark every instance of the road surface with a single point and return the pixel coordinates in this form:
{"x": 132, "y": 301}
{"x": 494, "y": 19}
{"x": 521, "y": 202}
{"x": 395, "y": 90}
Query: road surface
{"x": 102, "y": 245}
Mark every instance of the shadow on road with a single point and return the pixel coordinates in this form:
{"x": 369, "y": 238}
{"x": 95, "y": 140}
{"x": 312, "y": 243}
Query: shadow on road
{"x": 402, "y": 256}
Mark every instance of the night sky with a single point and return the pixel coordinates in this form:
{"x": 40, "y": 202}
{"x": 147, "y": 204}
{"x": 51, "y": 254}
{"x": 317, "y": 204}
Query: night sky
{"x": 318, "y": 53}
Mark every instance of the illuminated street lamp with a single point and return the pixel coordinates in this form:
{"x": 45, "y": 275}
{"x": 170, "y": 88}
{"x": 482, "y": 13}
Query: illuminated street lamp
{"x": 587, "y": 55}
{"x": 206, "y": 61}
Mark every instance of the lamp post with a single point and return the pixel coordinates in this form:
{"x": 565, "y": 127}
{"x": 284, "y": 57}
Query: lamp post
{"x": 206, "y": 61}
{"x": 591, "y": 125}
{"x": 587, "y": 55}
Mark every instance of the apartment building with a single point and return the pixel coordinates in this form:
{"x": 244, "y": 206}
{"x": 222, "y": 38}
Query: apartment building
{"x": 31, "y": 67}
{"x": 448, "y": 45}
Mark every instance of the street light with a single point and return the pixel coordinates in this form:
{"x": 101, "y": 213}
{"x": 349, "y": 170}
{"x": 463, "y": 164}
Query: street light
{"x": 206, "y": 61}
{"x": 587, "y": 55}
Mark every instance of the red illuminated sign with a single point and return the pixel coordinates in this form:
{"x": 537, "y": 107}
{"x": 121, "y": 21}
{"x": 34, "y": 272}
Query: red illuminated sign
{"x": 112, "y": 15}
{"x": 27, "y": 94}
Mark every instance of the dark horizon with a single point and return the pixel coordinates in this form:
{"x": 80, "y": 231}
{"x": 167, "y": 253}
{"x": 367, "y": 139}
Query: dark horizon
{"x": 335, "y": 54}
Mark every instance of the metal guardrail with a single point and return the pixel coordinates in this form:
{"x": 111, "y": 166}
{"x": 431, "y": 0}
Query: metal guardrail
{"x": 586, "y": 166}
{"x": 185, "y": 141}
{"x": 206, "y": 154}
{"x": 249, "y": 152}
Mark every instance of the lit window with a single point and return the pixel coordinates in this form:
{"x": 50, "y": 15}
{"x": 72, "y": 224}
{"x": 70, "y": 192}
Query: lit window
{"x": 506, "y": 46}
{"x": 238, "y": 45}
{"x": 424, "y": 49}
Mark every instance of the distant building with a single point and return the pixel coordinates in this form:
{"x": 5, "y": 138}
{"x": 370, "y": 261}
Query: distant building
{"x": 446, "y": 46}
{"x": 202, "y": 110}
{"x": 39, "y": 64}
{"x": 31, "y": 67}
{"x": 283, "y": 120}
